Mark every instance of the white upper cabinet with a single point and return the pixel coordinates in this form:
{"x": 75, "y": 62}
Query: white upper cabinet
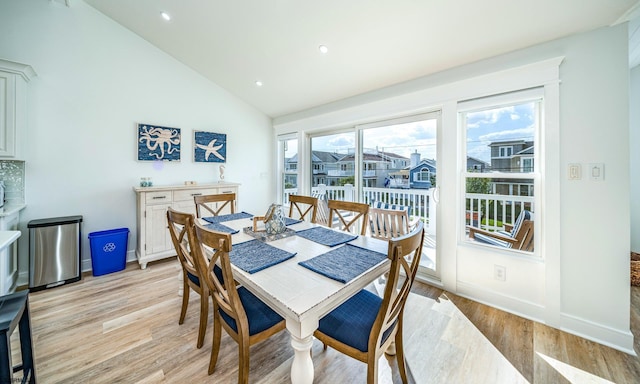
{"x": 13, "y": 106}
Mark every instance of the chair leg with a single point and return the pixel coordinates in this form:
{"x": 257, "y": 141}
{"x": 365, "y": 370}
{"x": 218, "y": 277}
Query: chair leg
{"x": 243, "y": 364}
{"x": 204, "y": 318}
{"x": 26, "y": 345}
{"x": 372, "y": 368}
{"x": 185, "y": 299}
{"x": 6, "y": 364}
{"x": 215, "y": 346}
{"x": 400, "y": 354}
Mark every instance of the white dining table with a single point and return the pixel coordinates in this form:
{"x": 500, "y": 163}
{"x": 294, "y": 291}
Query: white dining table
{"x": 302, "y": 297}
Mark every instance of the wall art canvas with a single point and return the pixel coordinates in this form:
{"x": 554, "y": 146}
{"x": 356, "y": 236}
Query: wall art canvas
{"x": 158, "y": 143}
{"x": 209, "y": 147}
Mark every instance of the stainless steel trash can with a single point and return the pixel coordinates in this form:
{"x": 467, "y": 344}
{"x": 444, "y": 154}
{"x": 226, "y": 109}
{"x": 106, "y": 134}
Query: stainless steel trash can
{"x": 54, "y": 251}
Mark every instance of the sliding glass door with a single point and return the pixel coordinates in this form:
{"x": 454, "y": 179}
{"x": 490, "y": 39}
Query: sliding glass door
{"x": 398, "y": 167}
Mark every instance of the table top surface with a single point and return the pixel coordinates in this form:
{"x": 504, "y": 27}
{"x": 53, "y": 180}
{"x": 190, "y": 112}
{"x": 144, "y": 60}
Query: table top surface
{"x": 294, "y": 291}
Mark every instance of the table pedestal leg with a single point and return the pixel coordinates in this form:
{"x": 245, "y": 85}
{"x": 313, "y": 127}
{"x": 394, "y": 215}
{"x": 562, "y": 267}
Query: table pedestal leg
{"x": 302, "y": 366}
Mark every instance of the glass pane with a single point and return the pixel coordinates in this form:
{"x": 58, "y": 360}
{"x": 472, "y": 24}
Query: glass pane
{"x": 399, "y": 168}
{"x": 501, "y": 140}
{"x": 333, "y": 167}
{"x": 289, "y": 166}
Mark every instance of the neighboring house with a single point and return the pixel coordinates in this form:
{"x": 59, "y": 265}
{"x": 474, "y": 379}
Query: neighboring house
{"x": 377, "y": 166}
{"x": 512, "y": 156}
{"x": 477, "y": 165}
{"x": 504, "y": 155}
{"x": 324, "y": 166}
{"x": 420, "y": 174}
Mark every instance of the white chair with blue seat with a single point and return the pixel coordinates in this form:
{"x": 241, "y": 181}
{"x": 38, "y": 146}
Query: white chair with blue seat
{"x": 366, "y": 325}
{"x": 517, "y": 236}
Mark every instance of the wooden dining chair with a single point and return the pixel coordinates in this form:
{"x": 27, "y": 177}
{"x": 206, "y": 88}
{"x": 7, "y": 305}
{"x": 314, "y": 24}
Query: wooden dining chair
{"x": 222, "y": 200}
{"x": 347, "y": 215}
{"x": 366, "y": 325}
{"x": 303, "y": 205}
{"x": 179, "y": 224}
{"x": 243, "y": 316}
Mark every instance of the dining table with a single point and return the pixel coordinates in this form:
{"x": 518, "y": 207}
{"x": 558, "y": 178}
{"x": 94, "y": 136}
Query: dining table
{"x": 302, "y": 274}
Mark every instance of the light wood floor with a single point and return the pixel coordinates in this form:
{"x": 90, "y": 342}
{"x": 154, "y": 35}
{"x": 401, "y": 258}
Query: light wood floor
{"x": 123, "y": 328}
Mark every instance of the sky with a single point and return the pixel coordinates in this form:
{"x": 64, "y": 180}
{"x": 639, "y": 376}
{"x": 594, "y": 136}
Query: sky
{"x": 483, "y": 127}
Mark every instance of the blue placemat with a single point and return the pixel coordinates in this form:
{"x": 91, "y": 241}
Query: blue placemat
{"x": 289, "y": 221}
{"x": 345, "y": 263}
{"x": 221, "y": 228}
{"x": 229, "y": 217}
{"x": 253, "y": 256}
{"x": 326, "y": 236}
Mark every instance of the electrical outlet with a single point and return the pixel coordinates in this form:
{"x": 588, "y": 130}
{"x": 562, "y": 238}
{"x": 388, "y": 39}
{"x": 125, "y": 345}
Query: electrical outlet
{"x": 499, "y": 272}
{"x": 596, "y": 171}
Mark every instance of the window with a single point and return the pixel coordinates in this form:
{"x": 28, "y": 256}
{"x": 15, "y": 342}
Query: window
{"x": 502, "y": 132}
{"x": 527, "y": 164}
{"x": 505, "y": 151}
{"x": 423, "y": 175}
{"x": 288, "y": 159}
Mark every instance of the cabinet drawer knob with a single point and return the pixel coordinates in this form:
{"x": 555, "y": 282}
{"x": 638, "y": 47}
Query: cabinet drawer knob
{"x": 159, "y": 197}
{"x": 196, "y": 194}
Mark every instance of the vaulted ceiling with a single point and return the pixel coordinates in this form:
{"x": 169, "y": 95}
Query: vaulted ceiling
{"x": 371, "y": 43}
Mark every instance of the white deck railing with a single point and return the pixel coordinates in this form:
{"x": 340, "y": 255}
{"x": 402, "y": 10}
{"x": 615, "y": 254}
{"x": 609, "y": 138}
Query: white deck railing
{"x": 420, "y": 201}
{"x": 493, "y": 211}
{"x": 488, "y": 211}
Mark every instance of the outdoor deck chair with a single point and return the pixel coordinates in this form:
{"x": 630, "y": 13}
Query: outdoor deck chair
{"x": 397, "y": 217}
{"x": 517, "y": 236}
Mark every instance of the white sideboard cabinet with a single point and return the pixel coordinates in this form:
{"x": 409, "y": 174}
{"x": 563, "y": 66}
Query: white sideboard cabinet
{"x": 154, "y": 241}
{"x": 13, "y": 106}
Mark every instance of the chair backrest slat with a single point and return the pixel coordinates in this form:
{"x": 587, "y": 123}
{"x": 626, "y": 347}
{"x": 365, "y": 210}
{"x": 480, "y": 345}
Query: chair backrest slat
{"x": 204, "y": 202}
{"x": 178, "y": 223}
{"x": 304, "y": 205}
{"x": 405, "y": 253}
{"x": 225, "y": 295}
{"x": 347, "y": 215}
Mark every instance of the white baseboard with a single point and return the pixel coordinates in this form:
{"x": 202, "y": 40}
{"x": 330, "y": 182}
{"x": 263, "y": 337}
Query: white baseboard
{"x": 86, "y": 263}
{"x": 602, "y": 334}
{"x": 599, "y": 333}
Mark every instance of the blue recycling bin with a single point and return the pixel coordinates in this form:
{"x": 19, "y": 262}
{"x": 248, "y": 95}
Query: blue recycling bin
{"x": 108, "y": 250}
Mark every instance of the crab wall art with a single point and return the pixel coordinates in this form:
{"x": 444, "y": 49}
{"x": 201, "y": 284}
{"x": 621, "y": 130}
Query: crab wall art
{"x": 158, "y": 143}
{"x": 209, "y": 147}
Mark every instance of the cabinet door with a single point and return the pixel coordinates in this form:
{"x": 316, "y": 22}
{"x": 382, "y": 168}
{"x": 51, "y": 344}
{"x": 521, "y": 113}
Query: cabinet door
{"x": 7, "y": 114}
{"x": 183, "y": 199}
{"x": 157, "y": 232}
{"x": 227, "y": 208}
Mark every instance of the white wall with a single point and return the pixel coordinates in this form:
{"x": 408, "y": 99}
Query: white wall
{"x": 95, "y": 81}
{"x": 634, "y": 139}
{"x": 581, "y": 282}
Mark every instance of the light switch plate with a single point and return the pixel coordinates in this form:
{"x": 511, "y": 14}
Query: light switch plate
{"x": 575, "y": 171}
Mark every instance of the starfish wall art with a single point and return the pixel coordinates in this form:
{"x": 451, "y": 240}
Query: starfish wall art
{"x": 209, "y": 147}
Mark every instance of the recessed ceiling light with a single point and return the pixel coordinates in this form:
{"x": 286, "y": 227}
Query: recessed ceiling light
{"x": 165, "y": 16}
{"x": 258, "y": 83}
{"x": 323, "y": 49}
